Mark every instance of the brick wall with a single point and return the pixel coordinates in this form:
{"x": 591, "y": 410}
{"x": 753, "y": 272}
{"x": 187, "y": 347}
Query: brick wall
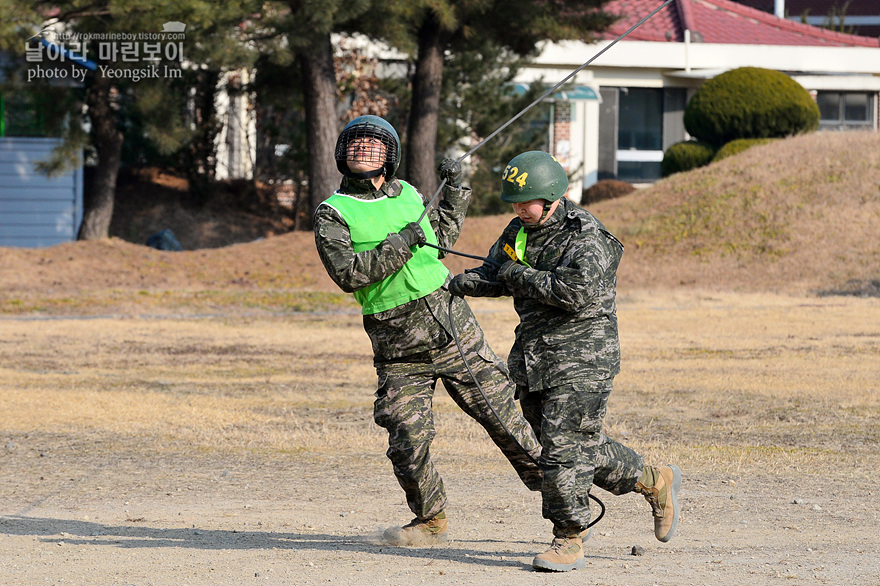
{"x": 562, "y": 133}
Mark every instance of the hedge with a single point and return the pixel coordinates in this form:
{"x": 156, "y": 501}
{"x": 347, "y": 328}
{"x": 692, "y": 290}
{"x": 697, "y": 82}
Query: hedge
{"x": 750, "y": 102}
{"x": 686, "y": 155}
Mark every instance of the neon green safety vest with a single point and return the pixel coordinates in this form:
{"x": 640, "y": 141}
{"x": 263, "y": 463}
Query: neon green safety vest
{"x": 519, "y": 246}
{"x": 369, "y": 222}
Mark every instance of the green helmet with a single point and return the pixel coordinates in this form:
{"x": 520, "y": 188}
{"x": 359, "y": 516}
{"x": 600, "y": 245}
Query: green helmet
{"x": 533, "y": 175}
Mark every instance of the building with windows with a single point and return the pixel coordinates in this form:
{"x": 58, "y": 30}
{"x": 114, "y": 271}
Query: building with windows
{"x": 641, "y": 85}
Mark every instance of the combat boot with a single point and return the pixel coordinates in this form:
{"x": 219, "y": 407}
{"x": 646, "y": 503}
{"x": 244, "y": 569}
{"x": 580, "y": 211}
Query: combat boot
{"x": 566, "y": 553}
{"x": 420, "y": 531}
{"x": 660, "y": 488}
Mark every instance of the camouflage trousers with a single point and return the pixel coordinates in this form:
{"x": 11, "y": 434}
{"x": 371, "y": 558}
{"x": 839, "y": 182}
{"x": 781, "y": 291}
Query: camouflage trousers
{"x": 404, "y": 407}
{"x": 576, "y": 454}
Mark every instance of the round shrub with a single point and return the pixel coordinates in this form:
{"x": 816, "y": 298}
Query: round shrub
{"x": 750, "y": 102}
{"x": 684, "y": 156}
{"x": 606, "y": 189}
{"x": 739, "y": 145}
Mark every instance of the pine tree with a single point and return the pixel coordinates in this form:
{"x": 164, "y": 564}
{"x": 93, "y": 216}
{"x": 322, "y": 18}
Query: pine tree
{"x": 115, "y": 100}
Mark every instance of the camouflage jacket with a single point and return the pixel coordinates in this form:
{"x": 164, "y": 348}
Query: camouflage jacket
{"x": 565, "y": 298}
{"x": 411, "y": 328}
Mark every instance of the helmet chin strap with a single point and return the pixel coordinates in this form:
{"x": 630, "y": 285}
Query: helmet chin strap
{"x": 547, "y": 206}
{"x": 367, "y": 174}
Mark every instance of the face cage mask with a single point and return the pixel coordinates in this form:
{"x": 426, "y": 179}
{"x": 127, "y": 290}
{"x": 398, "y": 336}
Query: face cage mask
{"x": 385, "y": 157}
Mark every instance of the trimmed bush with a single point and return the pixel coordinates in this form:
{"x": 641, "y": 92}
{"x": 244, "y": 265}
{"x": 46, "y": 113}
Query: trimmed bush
{"x": 606, "y": 189}
{"x": 750, "y": 102}
{"x": 684, "y": 156}
{"x": 739, "y": 145}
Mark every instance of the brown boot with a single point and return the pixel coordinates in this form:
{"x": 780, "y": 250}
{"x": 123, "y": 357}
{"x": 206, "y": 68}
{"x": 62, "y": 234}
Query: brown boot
{"x": 660, "y": 488}
{"x": 565, "y": 554}
{"x": 420, "y": 531}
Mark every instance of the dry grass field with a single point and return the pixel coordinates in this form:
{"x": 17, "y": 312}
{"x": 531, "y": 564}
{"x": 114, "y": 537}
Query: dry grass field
{"x": 205, "y": 417}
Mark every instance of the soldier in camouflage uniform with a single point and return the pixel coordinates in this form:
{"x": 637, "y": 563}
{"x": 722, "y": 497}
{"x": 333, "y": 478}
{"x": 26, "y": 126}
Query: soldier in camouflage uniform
{"x": 369, "y": 240}
{"x": 560, "y": 265}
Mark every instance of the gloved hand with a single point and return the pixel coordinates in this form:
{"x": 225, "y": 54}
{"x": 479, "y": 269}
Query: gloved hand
{"x": 413, "y": 234}
{"x": 463, "y": 284}
{"x": 450, "y": 169}
{"x": 509, "y": 270}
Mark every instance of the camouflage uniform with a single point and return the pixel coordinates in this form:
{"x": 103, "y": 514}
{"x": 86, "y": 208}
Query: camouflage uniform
{"x": 566, "y": 354}
{"x": 413, "y": 347}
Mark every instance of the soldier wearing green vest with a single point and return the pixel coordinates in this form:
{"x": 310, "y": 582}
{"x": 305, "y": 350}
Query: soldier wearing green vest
{"x": 371, "y": 243}
{"x": 559, "y": 263}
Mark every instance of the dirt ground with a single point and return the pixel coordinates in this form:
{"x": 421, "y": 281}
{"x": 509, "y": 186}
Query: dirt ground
{"x": 184, "y": 522}
{"x": 238, "y": 448}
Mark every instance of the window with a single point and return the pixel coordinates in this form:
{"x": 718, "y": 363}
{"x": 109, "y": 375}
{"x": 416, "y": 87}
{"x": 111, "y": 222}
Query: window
{"x": 640, "y": 134}
{"x": 845, "y": 110}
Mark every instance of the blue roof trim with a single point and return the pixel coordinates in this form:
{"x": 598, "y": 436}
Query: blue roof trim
{"x": 578, "y": 92}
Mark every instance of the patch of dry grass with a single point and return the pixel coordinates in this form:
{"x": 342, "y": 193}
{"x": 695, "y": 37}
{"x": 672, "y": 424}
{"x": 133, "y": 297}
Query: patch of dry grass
{"x": 177, "y": 302}
{"x": 755, "y": 381}
{"x": 211, "y": 383}
{"x": 717, "y": 382}
{"x": 795, "y": 216}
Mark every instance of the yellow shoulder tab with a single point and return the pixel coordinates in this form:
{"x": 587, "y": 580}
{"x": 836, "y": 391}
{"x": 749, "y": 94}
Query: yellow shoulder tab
{"x": 510, "y": 252}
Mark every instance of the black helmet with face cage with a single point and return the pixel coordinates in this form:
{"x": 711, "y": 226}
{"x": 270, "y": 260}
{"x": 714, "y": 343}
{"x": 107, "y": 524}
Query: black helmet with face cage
{"x": 369, "y": 127}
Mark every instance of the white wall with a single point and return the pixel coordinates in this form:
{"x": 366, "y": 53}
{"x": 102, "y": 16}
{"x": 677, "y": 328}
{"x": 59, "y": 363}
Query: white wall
{"x": 236, "y": 142}
{"x": 591, "y": 144}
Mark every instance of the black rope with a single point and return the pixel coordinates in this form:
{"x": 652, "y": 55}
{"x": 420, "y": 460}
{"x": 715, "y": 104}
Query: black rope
{"x": 495, "y": 413}
{"x": 473, "y": 256}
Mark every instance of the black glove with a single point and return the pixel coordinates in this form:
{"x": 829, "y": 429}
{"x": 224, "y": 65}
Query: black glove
{"x": 450, "y": 169}
{"x": 413, "y": 234}
{"x": 509, "y": 270}
{"x": 463, "y": 284}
